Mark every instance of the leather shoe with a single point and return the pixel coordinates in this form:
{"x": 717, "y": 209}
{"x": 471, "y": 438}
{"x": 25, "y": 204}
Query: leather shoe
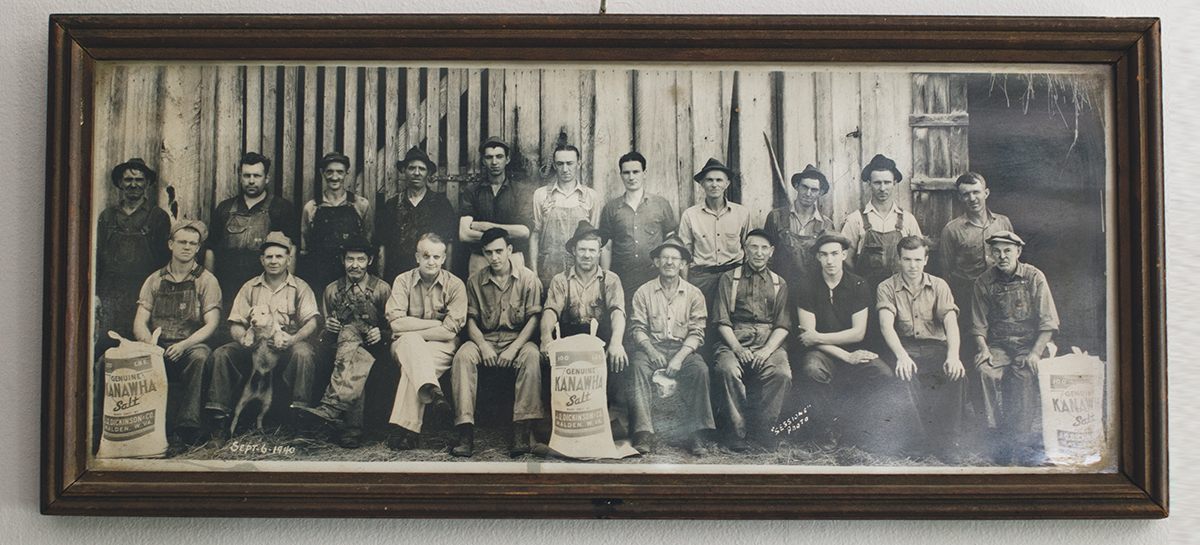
{"x": 695, "y": 446}
{"x": 466, "y": 442}
{"x": 643, "y": 442}
{"x": 520, "y": 439}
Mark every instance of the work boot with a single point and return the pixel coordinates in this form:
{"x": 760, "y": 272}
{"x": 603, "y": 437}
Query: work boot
{"x": 695, "y": 445}
{"x": 349, "y": 439}
{"x": 431, "y": 394}
{"x": 402, "y": 439}
{"x": 520, "y": 439}
{"x": 466, "y": 442}
{"x": 643, "y": 442}
{"x": 737, "y": 444}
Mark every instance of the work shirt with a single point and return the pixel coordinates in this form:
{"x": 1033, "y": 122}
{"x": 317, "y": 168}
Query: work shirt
{"x": 293, "y": 302}
{"x": 512, "y": 205}
{"x": 360, "y": 204}
{"x": 963, "y": 247}
{"x": 835, "y": 308}
{"x": 281, "y": 214}
{"x": 400, "y": 224}
{"x": 445, "y": 299}
{"x": 879, "y": 222}
{"x": 715, "y": 237}
{"x": 204, "y": 294}
{"x": 546, "y": 198}
{"x": 634, "y": 233}
{"x": 672, "y": 317}
{"x": 588, "y": 298}
{"x": 920, "y": 312}
{"x": 503, "y": 303}
{"x": 1013, "y": 308}
{"x": 363, "y": 301}
{"x": 757, "y": 301}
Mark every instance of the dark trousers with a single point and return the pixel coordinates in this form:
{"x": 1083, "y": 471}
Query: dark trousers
{"x": 863, "y": 403}
{"x": 1011, "y": 400}
{"x": 693, "y": 387}
{"x": 231, "y": 367}
{"x": 938, "y": 398}
{"x": 186, "y": 392}
{"x": 768, "y": 382}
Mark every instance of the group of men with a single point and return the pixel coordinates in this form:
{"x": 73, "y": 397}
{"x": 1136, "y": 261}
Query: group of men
{"x": 724, "y": 308}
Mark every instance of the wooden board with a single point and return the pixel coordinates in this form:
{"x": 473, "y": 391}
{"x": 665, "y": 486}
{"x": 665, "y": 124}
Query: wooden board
{"x": 371, "y": 124}
{"x": 254, "y": 108}
{"x": 350, "y": 140}
{"x": 289, "y": 146}
{"x": 654, "y": 131}
{"x": 522, "y": 119}
{"x": 435, "y": 100}
{"x": 559, "y": 113}
{"x": 308, "y": 169}
{"x": 495, "y": 105}
{"x": 270, "y": 94}
{"x": 612, "y": 129}
{"x": 754, "y": 161}
{"x": 474, "y": 113}
{"x": 885, "y": 124}
{"x": 393, "y": 97}
{"x": 227, "y": 134}
{"x": 797, "y": 146}
{"x": 179, "y": 162}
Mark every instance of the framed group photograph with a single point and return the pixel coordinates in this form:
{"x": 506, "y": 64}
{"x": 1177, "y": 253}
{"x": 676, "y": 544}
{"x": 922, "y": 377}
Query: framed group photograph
{"x": 604, "y": 266}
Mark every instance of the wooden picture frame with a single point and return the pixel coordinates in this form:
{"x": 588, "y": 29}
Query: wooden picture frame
{"x": 1129, "y": 48}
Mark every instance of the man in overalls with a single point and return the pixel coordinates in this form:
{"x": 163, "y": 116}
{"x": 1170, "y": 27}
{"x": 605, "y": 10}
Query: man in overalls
{"x": 875, "y": 231}
{"x": 416, "y": 210}
{"x": 557, "y": 209}
{"x": 500, "y": 201}
{"x": 328, "y": 221}
{"x": 713, "y": 231}
{"x": 581, "y": 294}
{"x": 919, "y": 322}
{"x": 796, "y": 228}
{"x": 504, "y": 301}
{"x": 241, "y": 224}
{"x": 294, "y": 307}
{"x": 354, "y": 307}
{"x": 636, "y": 222}
{"x": 185, "y": 301}
{"x": 753, "y": 318}
{"x": 1013, "y": 319}
{"x": 668, "y": 323}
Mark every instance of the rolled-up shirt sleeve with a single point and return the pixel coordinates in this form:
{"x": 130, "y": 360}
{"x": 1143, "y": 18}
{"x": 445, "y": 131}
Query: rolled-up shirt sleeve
{"x": 615, "y": 293}
{"x": 456, "y": 306}
{"x": 306, "y": 307}
{"x": 639, "y": 323}
{"x": 697, "y": 319}
{"x": 722, "y": 309}
{"x": 397, "y": 304}
{"x": 980, "y": 306}
{"x": 209, "y": 292}
{"x": 1047, "y": 312}
{"x": 556, "y": 296}
{"x": 943, "y": 302}
{"x": 783, "y": 318}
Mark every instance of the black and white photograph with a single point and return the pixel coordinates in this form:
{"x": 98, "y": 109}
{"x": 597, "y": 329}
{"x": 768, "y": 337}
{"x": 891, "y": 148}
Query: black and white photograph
{"x": 627, "y": 268}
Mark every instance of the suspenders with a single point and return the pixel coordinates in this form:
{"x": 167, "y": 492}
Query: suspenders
{"x": 737, "y": 279}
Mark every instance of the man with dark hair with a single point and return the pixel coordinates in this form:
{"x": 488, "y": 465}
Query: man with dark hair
{"x": 413, "y": 212}
{"x": 752, "y": 318}
{"x": 328, "y": 221}
{"x": 919, "y": 322}
{"x": 184, "y": 300}
{"x": 797, "y": 227}
{"x": 241, "y": 223}
{"x": 1013, "y": 319}
{"x": 874, "y": 232}
{"x": 636, "y": 222}
{"x": 713, "y": 230}
{"x": 557, "y": 209}
{"x": 503, "y": 304}
{"x": 499, "y": 201}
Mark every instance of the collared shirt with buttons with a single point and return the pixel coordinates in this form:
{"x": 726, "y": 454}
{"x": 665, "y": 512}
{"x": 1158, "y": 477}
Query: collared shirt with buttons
{"x": 757, "y": 301}
{"x": 715, "y": 237}
{"x": 672, "y": 316}
{"x": 511, "y": 205}
{"x": 400, "y": 224}
{"x": 504, "y": 303}
{"x": 587, "y": 297}
{"x": 880, "y": 222}
{"x": 554, "y": 196}
{"x": 292, "y": 302}
{"x": 444, "y": 298}
{"x": 921, "y": 310}
{"x": 963, "y": 247}
{"x": 1013, "y": 307}
{"x": 371, "y": 294}
{"x": 634, "y": 233}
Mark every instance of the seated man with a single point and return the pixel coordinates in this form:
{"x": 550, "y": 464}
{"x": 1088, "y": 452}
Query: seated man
{"x": 669, "y": 317}
{"x": 751, "y": 315}
{"x": 294, "y": 307}
{"x": 354, "y": 307}
{"x": 586, "y": 292}
{"x": 919, "y": 322}
{"x": 1013, "y": 318}
{"x": 503, "y": 303}
{"x": 427, "y": 309}
{"x": 185, "y": 301}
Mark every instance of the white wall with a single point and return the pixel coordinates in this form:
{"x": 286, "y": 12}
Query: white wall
{"x": 22, "y": 148}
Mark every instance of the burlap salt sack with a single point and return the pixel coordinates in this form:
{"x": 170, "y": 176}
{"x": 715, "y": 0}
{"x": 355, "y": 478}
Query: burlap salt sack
{"x": 135, "y": 401}
{"x": 1072, "y": 388}
{"x": 579, "y": 399}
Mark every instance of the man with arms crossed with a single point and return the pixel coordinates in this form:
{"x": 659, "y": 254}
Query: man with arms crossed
{"x": 497, "y": 202}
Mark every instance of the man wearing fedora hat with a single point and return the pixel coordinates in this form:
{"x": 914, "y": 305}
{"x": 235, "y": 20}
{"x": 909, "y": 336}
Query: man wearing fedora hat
{"x": 586, "y": 292}
{"x": 796, "y": 227}
{"x": 294, "y": 307}
{"x": 184, "y": 300}
{"x": 1013, "y": 319}
{"x": 329, "y": 220}
{"x": 713, "y": 230}
{"x": 557, "y": 209}
{"x": 499, "y": 201}
{"x": 413, "y": 212}
{"x": 879, "y": 226}
{"x": 636, "y": 222}
{"x": 668, "y": 325}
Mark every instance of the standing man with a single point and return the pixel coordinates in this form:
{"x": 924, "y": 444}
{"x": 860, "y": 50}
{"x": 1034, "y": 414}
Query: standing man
{"x": 498, "y": 202}
{"x": 503, "y": 304}
{"x": 1013, "y": 319}
{"x": 962, "y": 247}
{"x": 919, "y": 321}
{"x": 586, "y": 292}
{"x": 241, "y": 224}
{"x": 294, "y": 307}
{"x": 636, "y": 222}
{"x": 797, "y": 227}
{"x": 875, "y": 231}
{"x": 131, "y": 243}
{"x": 415, "y": 211}
{"x": 427, "y": 309}
{"x": 669, "y": 318}
{"x": 752, "y": 317}
{"x": 713, "y": 231}
{"x": 557, "y": 209}
{"x": 328, "y": 221}
{"x": 185, "y": 301}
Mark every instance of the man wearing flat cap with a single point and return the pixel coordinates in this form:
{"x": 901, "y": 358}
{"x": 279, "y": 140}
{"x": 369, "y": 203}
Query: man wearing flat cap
{"x": 498, "y": 201}
{"x": 636, "y": 222}
{"x": 557, "y": 209}
{"x": 416, "y": 210}
{"x": 584, "y": 293}
{"x": 879, "y": 226}
{"x": 184, "y": 300}
{"x": 796, "y": 227}
{"x": 713, "y": 230}
{"x": 752, "y": 316}
{"x": 329, "y": 220}
{"x": 294, "y": 308}
{"x": 1013, "y": 319}
{"x": 668, "y": 323}
{"x": 354, "y": 308}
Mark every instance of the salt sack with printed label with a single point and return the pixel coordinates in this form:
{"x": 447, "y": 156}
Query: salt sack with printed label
{"x": 579, "y": 398}
{"x": 1072, "y": 388}
{"x": 135, "y": 401}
